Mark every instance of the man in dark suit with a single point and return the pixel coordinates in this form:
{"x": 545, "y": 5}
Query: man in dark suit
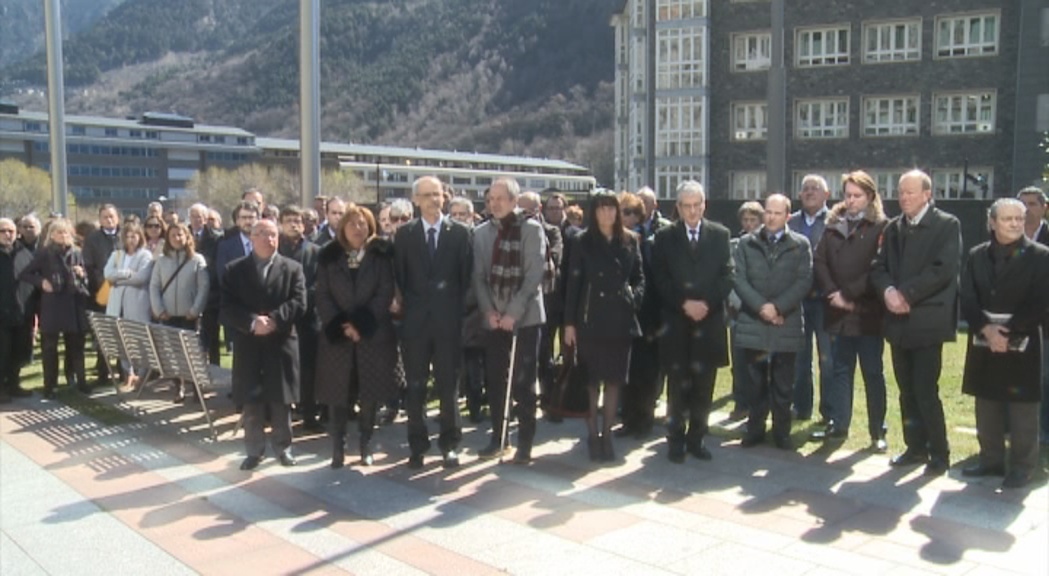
{"x": 916, "y": 274}
{"x": 97, "y": 247}
{"x": 334, "y": 208}
{"x": 432, "y": 263}
{"x": 295, "y": 246}
{"x": 263, "y": 297}
{"x": 205, "y": 242}
{"x": 1036, "y": 230}
{"x": 693, "y": 272}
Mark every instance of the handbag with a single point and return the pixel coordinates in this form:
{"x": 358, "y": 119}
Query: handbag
{"x": 102, "y": 296}
{"x": 570, "y": 398}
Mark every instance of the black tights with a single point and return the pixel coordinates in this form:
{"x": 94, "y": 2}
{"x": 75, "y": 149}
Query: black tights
{"x": 608, "y": 410}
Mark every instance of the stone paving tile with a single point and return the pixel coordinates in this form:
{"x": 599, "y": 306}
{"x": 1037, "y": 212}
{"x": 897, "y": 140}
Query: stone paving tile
{"x": 733, "y": 558}
{"x": 654, "y": 544}
{"x": 881, "y": 548}
{"x": 830, "y": 558}
{"x": 15, "y": 560}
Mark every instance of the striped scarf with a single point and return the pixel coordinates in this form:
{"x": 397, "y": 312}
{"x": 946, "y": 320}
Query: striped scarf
{"x": 506, "y": 275}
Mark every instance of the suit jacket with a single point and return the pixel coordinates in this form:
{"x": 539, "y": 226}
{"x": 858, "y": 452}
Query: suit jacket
{"x": 305, "y": 253}
{"x": 265, "y": 368}
{"x": 1019, "y": 288}
{"x": 525, "y": 306}
{"x": 922, "y": 262}
{"x": 433, "y": 291}
{"x": 681, "y": 273}
{"x": 97, "y": 248}
{"x": 229, "y": 248}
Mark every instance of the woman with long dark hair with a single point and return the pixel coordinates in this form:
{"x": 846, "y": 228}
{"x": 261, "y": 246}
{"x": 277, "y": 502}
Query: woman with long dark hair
{"x": 57, "y": 270}
{"x": 605, "y": 289}
{"x": 358, "y": 349}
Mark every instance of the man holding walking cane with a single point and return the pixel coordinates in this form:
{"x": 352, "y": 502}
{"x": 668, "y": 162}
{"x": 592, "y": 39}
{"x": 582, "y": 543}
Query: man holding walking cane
{"x": 509, "y": 255}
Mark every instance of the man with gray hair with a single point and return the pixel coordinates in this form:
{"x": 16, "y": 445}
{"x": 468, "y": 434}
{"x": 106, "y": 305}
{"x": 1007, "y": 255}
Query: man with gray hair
{"x": 916, "y": 274}
{"x": 810, "y": 222}
{"x": 693, "y": 272}
{"x": 509, "y": 255}
{"x": 774, "y": 267}
{"x": 401, "y": 212}
{"x": 206, "y": 241}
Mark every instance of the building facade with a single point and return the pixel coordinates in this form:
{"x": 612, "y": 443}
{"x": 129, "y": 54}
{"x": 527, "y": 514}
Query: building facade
{"x": 959, "y": 89}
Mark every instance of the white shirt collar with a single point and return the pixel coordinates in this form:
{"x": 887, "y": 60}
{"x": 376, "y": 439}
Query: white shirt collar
{"x": 917, "y": 219}
{"x": 810, "y": 219}
{"x": 1037, "y": 231}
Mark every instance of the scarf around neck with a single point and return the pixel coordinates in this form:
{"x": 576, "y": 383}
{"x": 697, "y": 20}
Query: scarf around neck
{"x": 507, "y": 274}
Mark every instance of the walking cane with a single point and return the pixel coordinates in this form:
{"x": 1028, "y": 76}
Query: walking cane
{"x": 504, "y": 437}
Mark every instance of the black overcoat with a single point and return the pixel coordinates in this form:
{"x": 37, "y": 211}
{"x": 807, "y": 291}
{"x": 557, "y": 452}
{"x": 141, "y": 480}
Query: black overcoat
{"x": 363, "y": 301}
{"x": 682, "y": 273}
{"x": 65, "y": 309}
{"x": 265, "y": 368}
{"x": 605, "y": 287}
{"x": 1021, "y": 289}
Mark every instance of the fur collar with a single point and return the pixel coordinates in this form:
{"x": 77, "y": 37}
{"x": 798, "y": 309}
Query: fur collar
{"x": 874, "y": 214}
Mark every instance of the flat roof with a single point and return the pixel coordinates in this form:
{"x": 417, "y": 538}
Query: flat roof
{"x": 133, "y": 124}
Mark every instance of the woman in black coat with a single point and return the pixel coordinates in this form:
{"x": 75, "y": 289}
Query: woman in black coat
{"x": 58, "y": 271}
{"x": 1005, "y": 291}
{"x": 604, "y": 292}
{"x": 358, "y": 351}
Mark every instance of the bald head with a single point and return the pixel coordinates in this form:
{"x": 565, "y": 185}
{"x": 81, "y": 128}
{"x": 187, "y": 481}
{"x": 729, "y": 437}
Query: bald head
{"x": 777, "y": 210}
{"x": 264, "y": 236}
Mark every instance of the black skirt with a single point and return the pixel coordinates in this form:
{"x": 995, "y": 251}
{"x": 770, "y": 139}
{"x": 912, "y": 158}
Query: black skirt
{"x": 606, "y": 359}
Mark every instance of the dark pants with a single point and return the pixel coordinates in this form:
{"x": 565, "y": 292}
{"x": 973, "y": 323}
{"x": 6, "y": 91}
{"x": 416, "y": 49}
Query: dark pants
{"x": 644, "y": 385}
{"x": 771, "y": 377}
{"x": 918, "y": 374}
{"x": 74, "y": 358}
{"x": 497, "y": 372}
{"x": 740, "y": 373}
{"x": 255, "y": 427}
{"x": 13, "y": 355}
{"x": 803, "y": 389}
{"x": 340, "y": 415}
{"x": 308, "y": 343}
{"x": 845, "y": 350}
{"x": 545, "y": 362}
{"x": 1044, "y": 417}
{"x": 473, "y": 379}
{"x": 443, "y": 354}
{"x": 209, "y": 333}
{"x": 1022, "y": 419}
{"x": 688, "y": 400}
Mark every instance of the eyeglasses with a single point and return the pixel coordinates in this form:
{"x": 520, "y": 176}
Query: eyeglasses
{"x": 400, "y": 218}
{"x": 154, "y": 225}
{"x": 631, "y": 212}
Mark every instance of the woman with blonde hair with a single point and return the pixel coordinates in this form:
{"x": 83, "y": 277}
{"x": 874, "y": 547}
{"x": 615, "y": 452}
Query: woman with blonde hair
{"x": 128, "y": 272}
{"x": 58, "y": 271}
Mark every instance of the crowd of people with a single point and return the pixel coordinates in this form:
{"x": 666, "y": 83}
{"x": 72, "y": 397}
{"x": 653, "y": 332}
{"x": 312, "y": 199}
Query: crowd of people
{"x": 340, "y": 314}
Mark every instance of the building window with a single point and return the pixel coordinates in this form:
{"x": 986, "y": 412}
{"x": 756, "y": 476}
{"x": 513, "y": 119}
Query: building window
{"x": 892, "y": 41}
{"x": 749, "y": 121}
{"x": 822, "y": 119}
{"x": 822, "y": 46}
{"x": 968, "y": 35}
{"x": 33, "y": 126}
{"x": 679, "y": 58}
{"x": 242, "y": 140}
{"x": 111, "y": 132}
{"x": 639, "y": 14}
{"x": 887, "y": 181}
{"x": 748, "y": 185}
{"x": 679, "y": 127}
{"x": 203, "y": 137}
{"x": 680, "y": 9}
{"x": 152, "y": 135}
{"x": 890, "y": 116}
{"x": 135, "y": 133}
{"x": 77, "y": 130}
{"x": 220, "y": 139}
{"x": 968, "y": 113}
{"x": 952, "y": 184}
{"x": 752, "y": 51}
{"x": 668, "y": 178}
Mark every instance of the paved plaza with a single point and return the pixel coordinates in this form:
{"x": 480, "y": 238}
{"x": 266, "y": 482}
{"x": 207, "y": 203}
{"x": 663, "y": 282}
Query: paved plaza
{"x": 158, "y": 497}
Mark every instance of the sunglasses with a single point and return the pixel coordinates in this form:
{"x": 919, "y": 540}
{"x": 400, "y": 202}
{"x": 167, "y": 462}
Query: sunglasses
{"x": 400, "y": 218}
{"x": 631, "y": 212}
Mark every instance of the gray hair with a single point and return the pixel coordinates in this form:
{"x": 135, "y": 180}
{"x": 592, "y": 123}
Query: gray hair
{"x": 1033, "y": 191}
{"x": 646, "y": 192}
{"x": 420, "y": 179}
{"x": 531, "y": 196}
{"x": 819, "y": 180}
{"x": 401, "y": 207}
{"x": 199, "y": 207}
{"x": 690, "y": 187}
{"x": 513, "y": 187}
{"x": 992, "y": 212}
{"x": 921, "y": 176}
{"x": 33, "y": 217}
{"x": 462, "y": 201}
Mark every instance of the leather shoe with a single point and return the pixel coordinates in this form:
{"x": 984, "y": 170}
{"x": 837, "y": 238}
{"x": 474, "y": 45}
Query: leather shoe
{"x": 981, "y": 470}
{"x": 700, "y": 452}
{"x": 784, "y": 443}
{"x": 451, "y": 459}
{"x": 936, "y": 467}
{"x": 879, "y": 445}
{"x": 492, "y": 450}
{"x": 286, "y": 459}
{"x": 251, "y": 463}
{"x": 415, "y": 461}
{"x": 831, "y": 432}
{"x": 752, "y": 441}
{"x": 908, "y": 458}
{"x": 1017, "y": 479}
{"x": 676, "y": 454}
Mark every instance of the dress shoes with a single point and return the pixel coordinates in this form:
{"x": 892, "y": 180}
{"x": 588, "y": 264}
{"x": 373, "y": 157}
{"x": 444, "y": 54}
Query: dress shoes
{"x": 879, "y": 445}
{"x": 251, "y": 463}
{"x": 751, "y": 441}
{"x": 415, "y": 461}
{"x": 1017, "y": 479}
{"x": 492, "y": 450}
{"x": 936, "y": 467}
{"x": 981, "y": 470}
{"x": 784, "y": 443}
{"x": 522, "y": 456}
{"x": 700, "y": 452}
{"x": 450, "y": 459}
{"x": 831, "y": 432}
{"x": 286, "y": 459}
{"x": 338, "y": 456}
{"x": 909, "y": 458}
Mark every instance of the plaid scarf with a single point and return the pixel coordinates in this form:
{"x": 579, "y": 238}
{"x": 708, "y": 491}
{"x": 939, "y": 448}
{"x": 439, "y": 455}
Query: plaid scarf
{"x": 506, "y": 274}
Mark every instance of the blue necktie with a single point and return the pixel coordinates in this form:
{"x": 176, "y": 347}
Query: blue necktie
{"x": 431, "y": 241}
